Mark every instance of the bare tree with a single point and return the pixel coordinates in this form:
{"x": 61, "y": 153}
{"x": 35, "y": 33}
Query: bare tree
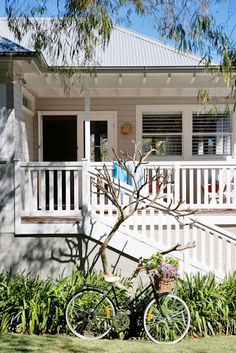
{"x": 139, "y": 196}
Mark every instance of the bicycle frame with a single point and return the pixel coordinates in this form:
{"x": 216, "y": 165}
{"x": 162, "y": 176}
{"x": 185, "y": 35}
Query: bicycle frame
{"x": 135, "y": 299}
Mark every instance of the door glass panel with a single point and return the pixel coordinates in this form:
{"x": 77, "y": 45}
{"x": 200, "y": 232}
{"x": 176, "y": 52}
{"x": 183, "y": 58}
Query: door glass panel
{"x": 98, "y": 141}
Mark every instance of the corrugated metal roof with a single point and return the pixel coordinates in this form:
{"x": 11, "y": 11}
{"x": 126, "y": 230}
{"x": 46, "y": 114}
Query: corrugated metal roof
{"x": 7, "y": 45}
{"x": 125, "y": 49}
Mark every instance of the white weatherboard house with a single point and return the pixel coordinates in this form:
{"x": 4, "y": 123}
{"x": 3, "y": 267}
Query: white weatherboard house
{"x": 50, "y": 143}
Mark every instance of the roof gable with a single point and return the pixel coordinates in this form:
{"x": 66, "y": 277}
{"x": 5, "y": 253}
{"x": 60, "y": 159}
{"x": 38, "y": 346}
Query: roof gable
{"x": 125, "y": 49}
{"x": 129, "y": 48}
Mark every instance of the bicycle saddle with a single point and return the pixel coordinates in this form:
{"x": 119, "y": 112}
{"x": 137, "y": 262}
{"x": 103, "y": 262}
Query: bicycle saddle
{"x": 111, "y": 278}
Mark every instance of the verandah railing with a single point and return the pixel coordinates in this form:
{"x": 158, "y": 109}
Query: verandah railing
{"x": 64, "y": 187}
{"x": 202, "y": 185}
{"x": 50, "y": 188}
{"x": 208, "y": 185}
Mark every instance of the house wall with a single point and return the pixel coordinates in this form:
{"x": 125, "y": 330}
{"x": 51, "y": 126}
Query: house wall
{"x": 17, "y": 141}
{"x": 6, "y": 121}
{"x": 51, "y": 256}
{"x": 7, "y": 149}
{"x": 25, "y": 129}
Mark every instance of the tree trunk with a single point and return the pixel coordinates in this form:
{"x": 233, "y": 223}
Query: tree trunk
{"x": 102, "y": 251}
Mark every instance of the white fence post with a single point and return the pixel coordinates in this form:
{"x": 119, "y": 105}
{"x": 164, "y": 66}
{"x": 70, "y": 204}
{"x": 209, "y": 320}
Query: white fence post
{"x": 85, "y": 187}
{"x": 177, "y": 184}
{"x": 186, "y": 255}
{"x": 86, "y": 204}
{"x": 17, "y": 186}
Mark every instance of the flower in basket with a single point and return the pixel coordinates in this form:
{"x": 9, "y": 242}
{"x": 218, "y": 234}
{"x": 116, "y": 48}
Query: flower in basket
{"x": 170, "y": 268}
{"x": 168, "y": 271}
{"x": 165, "y": 267}
{"x": 165, "y": 271}
{"x": 154, "y": 262}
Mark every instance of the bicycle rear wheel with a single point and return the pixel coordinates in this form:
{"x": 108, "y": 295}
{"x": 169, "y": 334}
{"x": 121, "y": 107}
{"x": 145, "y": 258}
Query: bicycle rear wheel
{"x": 168, "y": 320}
{"x": 90, "y": 314}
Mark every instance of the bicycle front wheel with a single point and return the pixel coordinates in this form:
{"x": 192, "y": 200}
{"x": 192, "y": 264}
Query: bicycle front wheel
{"x": 90, "y": 314}
{"x": 166, "y": 320}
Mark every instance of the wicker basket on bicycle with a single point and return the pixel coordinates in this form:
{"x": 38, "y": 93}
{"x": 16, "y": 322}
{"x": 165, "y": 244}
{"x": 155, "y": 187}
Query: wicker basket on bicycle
{"x": 163, "y": 285}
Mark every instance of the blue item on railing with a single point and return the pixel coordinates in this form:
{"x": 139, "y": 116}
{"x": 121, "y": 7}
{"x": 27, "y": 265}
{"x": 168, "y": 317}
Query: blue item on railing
{"x": 119, "y": 173}
{"x": 139, "y": 174}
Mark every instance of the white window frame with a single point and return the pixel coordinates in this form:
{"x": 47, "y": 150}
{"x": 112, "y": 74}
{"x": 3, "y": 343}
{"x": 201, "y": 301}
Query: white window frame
{"x": 158, "y": 109}
{"x": 165, "y": 136}
{"x": 214, "y": 134}
{"x": 187, "y": 111}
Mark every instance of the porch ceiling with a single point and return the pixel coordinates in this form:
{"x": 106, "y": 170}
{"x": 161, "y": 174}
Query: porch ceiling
{"x": 111, "y": 84}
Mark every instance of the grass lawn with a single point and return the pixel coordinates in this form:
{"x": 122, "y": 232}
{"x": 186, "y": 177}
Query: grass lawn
{"x": 12, "y": 343}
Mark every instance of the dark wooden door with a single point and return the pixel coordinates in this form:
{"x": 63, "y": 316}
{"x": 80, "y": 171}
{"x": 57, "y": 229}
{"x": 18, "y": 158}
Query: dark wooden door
{"x": 59, "y": 138}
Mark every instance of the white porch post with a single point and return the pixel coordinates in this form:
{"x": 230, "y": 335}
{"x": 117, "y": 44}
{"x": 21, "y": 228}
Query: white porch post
{"x": 17, "y": 205}
{"x": 85, "y": 186}
{"x": 85, "y": 163}
{"x": 87, "y": 126}
{"x": 234, "y": 135}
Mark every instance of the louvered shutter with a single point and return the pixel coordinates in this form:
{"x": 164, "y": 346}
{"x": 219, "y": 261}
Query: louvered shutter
{"x": 163, "y": 132}
{"x": 212, "y": 134}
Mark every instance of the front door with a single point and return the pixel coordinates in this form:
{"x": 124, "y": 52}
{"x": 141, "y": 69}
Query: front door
{"x": 59, "y": 138}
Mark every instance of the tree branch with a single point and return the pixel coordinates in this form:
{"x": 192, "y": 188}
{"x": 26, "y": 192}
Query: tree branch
{"x": 179, "y": 247}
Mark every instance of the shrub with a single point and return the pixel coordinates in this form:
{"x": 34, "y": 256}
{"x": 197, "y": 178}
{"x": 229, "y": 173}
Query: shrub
{"x": 31, "y": 305}
{"x": 211, "y": 303}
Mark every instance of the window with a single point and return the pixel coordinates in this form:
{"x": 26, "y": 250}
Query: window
{"x": 27, "y": 101}
{"x": 163, "y": 132}
{"x": 212, "y": 134}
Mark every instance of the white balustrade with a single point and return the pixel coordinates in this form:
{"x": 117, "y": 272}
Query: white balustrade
{"x": 50, "y": 188}
{"x": 215, "y": 250}
{"x": 204, "y": 185}
{"x": 56, "y": 186}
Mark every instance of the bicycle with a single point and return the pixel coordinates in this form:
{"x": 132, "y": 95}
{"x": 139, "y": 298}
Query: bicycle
{"x": 92, "y": 313}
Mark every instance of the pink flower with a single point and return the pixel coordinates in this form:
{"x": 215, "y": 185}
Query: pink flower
{"x": 168, "y": 271}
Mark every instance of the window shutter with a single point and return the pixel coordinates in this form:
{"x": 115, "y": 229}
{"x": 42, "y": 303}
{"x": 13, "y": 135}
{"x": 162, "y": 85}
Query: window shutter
{"x": 211, "y": 134}
{"x": 162, "y": 123}
{"x": 163, "y": 132}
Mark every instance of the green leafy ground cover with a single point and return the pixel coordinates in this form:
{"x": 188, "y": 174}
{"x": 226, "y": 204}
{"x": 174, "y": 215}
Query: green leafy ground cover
{"x": 20, "y": 343}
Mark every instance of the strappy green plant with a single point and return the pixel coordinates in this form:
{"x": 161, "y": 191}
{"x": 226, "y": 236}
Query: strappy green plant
{"x": 211, "y": 303}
